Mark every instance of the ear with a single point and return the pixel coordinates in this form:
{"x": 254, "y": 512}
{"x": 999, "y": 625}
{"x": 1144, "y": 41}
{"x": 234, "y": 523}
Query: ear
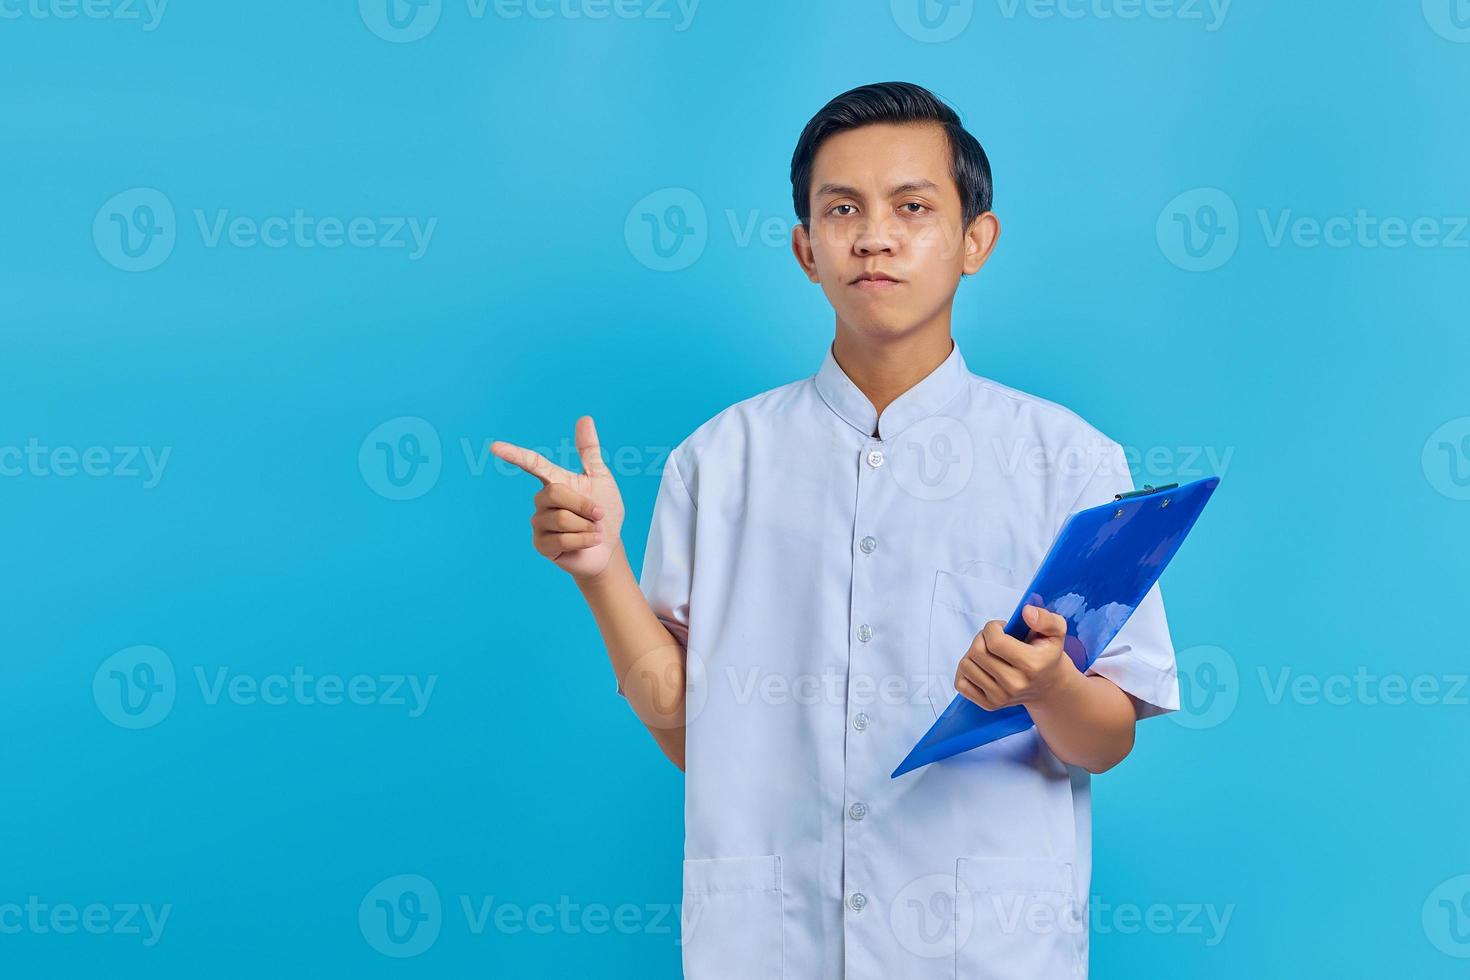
{"x": 980, "y": 240}
{"x": 801, "y": 247}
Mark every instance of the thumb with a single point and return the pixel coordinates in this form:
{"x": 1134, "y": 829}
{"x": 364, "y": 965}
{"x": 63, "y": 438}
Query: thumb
{"x": 589, "y": 448}
{"x": 1044, "y": 623}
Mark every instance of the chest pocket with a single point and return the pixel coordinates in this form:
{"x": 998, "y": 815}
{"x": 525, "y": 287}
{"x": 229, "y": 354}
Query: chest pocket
{"x": 732, "y": 923}
{"x": 964, "y": 601}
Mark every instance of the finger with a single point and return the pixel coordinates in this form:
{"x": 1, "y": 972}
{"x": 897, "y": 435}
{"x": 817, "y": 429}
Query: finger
{"x": 976, "y": 693}
{"x": 576, "y": 541}
{"x": 532, "y": 462}
{"x": 589, "y": 448}
{"x": 1002, "y": 646}
{"x": 555, "y": 495}
{"x": 1044, "y": 623}
{"x": 970, "y": 671}
{"x": 556, "y": 519}
{"x": 1004, "y": 678}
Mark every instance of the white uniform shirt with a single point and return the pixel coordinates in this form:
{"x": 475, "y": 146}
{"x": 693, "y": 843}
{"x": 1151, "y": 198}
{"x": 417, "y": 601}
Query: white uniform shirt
{"x": 825, "y": 582}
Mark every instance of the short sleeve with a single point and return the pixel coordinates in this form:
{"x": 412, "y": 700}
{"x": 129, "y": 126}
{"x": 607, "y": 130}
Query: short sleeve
{"x": 1140, "y": 660}
{"x": 668, "y": 561}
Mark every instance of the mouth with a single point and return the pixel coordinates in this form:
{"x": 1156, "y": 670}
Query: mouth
{"x": 876, "y": 282}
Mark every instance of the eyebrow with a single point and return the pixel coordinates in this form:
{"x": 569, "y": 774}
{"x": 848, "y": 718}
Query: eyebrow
{"x": 906, "y": 187}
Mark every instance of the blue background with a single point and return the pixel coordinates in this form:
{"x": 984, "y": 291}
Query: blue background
{"x": 1317, "y": 375}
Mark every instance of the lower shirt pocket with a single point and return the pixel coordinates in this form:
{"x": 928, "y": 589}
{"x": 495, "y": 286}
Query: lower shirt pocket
{"x": 732, "y": 922}
{"x": 961, "y": 606}
{"x": 1026, "y": 920}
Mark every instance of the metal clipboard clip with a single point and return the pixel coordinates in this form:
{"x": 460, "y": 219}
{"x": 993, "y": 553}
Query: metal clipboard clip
{"x": 1147, "y": 489}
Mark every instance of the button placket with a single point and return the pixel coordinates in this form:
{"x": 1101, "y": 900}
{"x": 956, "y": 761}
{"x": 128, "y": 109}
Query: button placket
{"x": 856, "y": 869}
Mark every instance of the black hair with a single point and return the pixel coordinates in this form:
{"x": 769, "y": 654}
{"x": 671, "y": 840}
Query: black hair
{"x": 893, "y": 102}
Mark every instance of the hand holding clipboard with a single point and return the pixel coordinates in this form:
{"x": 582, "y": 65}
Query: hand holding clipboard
{"x": 1102, "y": 564}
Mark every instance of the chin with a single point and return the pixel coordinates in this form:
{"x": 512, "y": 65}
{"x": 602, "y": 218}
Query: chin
{"x": 880, "y": 324}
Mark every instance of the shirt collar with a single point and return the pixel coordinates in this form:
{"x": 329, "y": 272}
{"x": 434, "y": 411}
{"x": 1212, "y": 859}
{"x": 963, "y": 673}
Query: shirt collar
{"x": 929, "y": 395}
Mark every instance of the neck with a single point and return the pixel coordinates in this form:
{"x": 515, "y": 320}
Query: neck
{"x": 885, "y": 368}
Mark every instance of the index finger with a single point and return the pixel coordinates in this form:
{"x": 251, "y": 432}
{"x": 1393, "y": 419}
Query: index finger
{"x": 532, "y": 462}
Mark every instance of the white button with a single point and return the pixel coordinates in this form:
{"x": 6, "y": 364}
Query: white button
{"x": 857, "y": 811}
{"x": 857, "y": 901}
{"x": 868, "y": 544}
{"x": 875, "y": 458}
{"x": 865, "y": 632}
{"x": 860, "y": 721}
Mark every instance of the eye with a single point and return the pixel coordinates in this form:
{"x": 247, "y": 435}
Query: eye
{"x": 920, "y": 208}
{"x": 836, "y": 206}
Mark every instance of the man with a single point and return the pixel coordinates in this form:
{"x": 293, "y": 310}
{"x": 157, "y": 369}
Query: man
{"x": 829, "y": 562}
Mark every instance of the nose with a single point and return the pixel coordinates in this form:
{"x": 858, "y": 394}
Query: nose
{"x": 875, "y": 236}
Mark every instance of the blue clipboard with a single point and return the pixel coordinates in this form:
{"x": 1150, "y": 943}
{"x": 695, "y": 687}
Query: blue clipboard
{"x": 1102, "y": 564}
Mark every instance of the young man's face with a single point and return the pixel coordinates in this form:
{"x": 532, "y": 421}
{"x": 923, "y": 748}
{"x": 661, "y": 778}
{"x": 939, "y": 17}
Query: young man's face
{"x": 884, "y": 201}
